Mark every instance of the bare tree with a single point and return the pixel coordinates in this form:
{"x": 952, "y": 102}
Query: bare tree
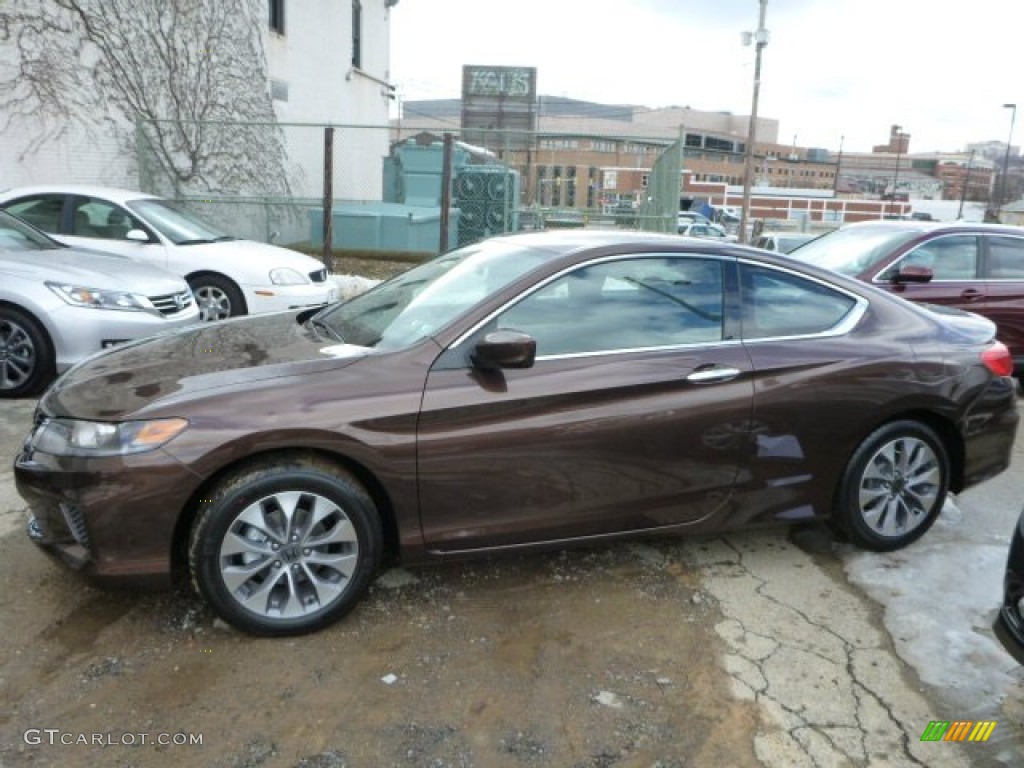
{"x": 186, "y": 80}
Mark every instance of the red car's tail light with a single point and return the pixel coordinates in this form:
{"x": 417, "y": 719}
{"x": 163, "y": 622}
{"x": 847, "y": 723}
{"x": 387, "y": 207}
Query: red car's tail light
{"x": 997, "y": 359}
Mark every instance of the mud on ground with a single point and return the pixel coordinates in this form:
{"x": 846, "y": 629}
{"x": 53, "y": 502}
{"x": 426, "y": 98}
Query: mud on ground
{"x": 592, "y": 658}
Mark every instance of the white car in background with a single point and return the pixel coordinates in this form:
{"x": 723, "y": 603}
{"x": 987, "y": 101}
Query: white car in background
{"x": 783, "y": 242}
{"x": 228, "y": 276}
{"x": 707, "y": 230}
{"x": 59, "y": 305}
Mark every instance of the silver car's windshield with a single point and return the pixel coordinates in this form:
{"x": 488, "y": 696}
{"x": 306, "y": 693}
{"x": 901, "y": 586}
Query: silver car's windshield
{"x": 852, "y": 250}
{"x": 16, "y": 235}
{"x": 423, "y": 300}
{"x": 177, "y": 225}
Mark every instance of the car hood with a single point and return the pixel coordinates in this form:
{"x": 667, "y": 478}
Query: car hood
{"x": 90, "y": 269}
{"x": 256, "y": 255}
{"x": 161, "y": 370}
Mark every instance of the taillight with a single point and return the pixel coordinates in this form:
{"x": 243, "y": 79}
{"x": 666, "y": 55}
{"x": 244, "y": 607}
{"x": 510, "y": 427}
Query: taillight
{"x": 997, "y": 358}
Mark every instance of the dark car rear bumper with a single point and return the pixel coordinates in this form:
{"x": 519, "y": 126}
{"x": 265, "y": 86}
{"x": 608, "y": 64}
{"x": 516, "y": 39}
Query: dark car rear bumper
{"x": 1009, "y": 625}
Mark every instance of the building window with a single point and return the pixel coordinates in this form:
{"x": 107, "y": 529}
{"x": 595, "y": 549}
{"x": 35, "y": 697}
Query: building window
{"x": 277, "y": 16}
{"x": 357, "y": 33}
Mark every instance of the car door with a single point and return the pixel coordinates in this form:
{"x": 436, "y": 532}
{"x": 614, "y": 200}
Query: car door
{"x": 1003, "y": 269}
{"x": 956, "y": 277}
{"x": 104, "y": 225}
{"x": 44, "y": 211}
{"x": 633, "y": 415}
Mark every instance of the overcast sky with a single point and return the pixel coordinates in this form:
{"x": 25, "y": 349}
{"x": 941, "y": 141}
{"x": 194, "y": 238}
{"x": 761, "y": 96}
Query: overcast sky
{"x": 832, "y": 68}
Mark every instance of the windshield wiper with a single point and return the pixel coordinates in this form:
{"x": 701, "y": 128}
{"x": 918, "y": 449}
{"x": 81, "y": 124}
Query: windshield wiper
{"x": 196, "y": 241}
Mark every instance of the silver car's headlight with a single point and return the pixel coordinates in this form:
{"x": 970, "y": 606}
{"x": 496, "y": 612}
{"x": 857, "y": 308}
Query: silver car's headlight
{"x": 74, "y": 437}
{"x": 96, "y": 298}
{"x": 288, "y": 276}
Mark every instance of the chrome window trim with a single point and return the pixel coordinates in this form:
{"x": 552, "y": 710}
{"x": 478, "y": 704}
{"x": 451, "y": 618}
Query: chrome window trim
{"x": 636, "y": 350}
{"x": 619, "y": 257}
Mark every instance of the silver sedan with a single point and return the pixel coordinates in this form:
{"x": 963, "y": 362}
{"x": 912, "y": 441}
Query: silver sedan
{"x": 54, "y": 311}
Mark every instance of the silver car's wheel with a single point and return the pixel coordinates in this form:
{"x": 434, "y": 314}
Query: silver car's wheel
{"x": 217, "y": 298}
{"x": 894, "y": 486}
{"x": 26, "y": 363}
{"x": 287, "y": 548}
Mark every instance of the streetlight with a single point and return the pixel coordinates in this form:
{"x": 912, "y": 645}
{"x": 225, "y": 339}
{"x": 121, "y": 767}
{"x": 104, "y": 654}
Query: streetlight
{"x": 760, "y": 39}
{"x": 1006, "y": 157}
{"x": 896, "y": 174}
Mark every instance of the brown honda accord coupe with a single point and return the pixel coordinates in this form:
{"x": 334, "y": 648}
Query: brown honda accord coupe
{"x": 534, "y": 390}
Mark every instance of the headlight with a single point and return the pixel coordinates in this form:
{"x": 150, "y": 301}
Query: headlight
{"x": 72, "y": 437}
{"x": 287, "y": 276}
{"x": 80, "y": 296}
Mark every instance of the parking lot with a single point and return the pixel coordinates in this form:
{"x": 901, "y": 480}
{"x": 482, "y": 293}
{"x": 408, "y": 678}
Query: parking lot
{"x": 758, "y": 648}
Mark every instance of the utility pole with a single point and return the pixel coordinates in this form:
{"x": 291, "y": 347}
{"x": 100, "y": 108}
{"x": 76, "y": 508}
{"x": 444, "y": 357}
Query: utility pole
{"x": 967, "y": 181}
{"x": 1006, "y": 157}
{"x": 760, "y": 39}
{"x": 839, "y": 167}
{"x": 898, "y": 130}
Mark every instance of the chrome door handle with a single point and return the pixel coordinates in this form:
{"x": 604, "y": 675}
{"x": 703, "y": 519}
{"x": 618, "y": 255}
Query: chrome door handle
{"x": 713, "y": 375}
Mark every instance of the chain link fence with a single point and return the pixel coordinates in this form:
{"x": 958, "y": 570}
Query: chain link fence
{"x": 384, "y": 185}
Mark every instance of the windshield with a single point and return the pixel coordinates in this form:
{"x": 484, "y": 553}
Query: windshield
{"x": 16, "y": 235}
{"x": 418, "y": 303}
{"x": 177, "y": 225}
{"x": 852, "y": 250}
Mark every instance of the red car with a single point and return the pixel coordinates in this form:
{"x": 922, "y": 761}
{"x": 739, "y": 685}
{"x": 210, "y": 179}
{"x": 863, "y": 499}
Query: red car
{"x": 976, "y": 267}
{"x": 536, "y": 390}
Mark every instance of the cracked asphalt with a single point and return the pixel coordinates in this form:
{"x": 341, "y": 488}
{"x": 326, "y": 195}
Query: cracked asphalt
{"x": 749, "y": 649}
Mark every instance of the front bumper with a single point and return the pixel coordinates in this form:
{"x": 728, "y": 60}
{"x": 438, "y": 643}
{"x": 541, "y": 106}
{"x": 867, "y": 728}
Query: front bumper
{"x": 112, "y": 519}
{"x": 79, "y": 332}
{"x": 1009, "y": 625}
{"x": 278, "y": 298}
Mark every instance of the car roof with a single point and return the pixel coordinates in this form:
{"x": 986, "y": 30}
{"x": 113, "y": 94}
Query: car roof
{"x": 924, "y": 226}
{"x": 115, "y": 194}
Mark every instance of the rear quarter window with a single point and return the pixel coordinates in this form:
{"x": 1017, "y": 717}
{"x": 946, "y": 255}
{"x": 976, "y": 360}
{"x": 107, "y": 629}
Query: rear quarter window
{"x": 777, "y": 304}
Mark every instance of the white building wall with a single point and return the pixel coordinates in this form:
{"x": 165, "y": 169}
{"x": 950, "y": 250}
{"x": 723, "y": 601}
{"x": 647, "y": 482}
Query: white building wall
{"x": 80, "y": 156}
{"x": 313, "y": 58}
{"x": 312, "y": 61}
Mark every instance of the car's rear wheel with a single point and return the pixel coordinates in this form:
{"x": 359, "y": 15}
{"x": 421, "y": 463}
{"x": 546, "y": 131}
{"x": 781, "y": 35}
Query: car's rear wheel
{"x": 26, "y": 356}
{"x": 285, "y": 547}
{"x": 217, "y": 297}
{"x": 894, "y": 487}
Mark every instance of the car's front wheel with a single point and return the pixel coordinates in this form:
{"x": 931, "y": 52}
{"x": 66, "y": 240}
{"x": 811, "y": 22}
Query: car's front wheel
{"x": 216, "y": 297}
{"x": 894, "y": 487}
{"x": 26, "y": 355}
{"x": 285, "y": 547}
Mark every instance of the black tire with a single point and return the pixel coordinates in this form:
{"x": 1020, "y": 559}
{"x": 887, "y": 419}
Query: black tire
{"x": 218, "y": 297}
{"x": 27, "y": 362}
{"x": 893, "y": 488}
{"x": 270, "y": 578}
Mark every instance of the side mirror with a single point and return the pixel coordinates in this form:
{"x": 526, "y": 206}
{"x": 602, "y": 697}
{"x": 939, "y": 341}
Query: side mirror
{"x": 136, "y": 235}
{"x": 504, "y": 349}
{"x": 912, "y": 273}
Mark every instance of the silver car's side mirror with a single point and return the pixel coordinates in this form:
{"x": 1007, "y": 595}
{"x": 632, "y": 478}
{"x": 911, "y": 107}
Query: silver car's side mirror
{"x": 137, "y": 235}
